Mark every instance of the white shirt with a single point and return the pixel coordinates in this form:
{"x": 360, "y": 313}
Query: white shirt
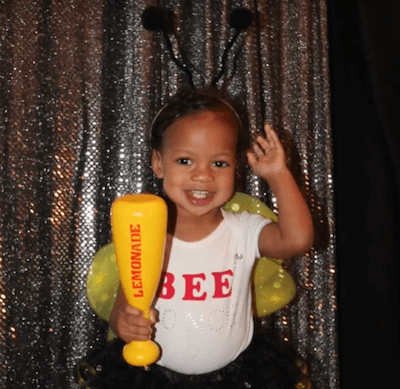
{"x": 205, "y": 310}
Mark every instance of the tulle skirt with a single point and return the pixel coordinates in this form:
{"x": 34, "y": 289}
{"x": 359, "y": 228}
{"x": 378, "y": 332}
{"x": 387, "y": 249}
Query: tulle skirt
{"x": 266, "y": 363}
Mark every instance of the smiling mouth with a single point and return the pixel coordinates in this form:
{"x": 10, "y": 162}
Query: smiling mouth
{"x": 199, "y": 194}
{"x": 200, "y": 197}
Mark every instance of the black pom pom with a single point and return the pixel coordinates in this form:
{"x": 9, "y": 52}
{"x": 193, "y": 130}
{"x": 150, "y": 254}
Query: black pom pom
{"x": 153, "y": 19}
{"x": 240, "y": 19}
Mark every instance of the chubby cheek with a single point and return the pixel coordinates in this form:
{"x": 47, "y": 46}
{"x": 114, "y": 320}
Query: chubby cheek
{"x": 228, "y": 183}
{"x": 232, "y": 188}
{"x": 171, "y": 184}
{"x": 168, "y": 185}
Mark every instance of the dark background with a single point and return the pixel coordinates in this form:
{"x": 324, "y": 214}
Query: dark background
{"x": 364, "y": 39}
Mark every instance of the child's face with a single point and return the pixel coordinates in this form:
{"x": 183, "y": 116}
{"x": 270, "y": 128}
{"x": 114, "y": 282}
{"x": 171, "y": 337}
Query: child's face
{"x": 197, "y": 162}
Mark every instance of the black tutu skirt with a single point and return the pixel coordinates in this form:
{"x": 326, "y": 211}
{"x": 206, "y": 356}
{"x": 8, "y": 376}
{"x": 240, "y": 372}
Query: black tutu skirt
{"x": 266, "y": 364}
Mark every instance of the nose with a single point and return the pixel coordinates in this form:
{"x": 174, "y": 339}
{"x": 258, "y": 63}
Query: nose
{"x": 203, "y": 174}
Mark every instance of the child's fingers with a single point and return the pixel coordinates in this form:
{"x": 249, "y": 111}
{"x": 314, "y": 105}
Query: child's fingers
{"x": 260, "y": 149}
{"x": 139, "y": 321}
{"x": 134, "y": 326}
{"x": 135, "y": 333}
{"x": 264, "y": 144}
{"x": 134, "y": 317}
{"x": 128, "y": 309}
{"x": 153, "y": 315}
{"x": 144, "y": 332}
{"x": 251, "y": 158}
{"x": 272, "y": 136}
{"x": 270, "y": 133}
{"x": 268, "y": 128}
{"x": 138, "y": 313}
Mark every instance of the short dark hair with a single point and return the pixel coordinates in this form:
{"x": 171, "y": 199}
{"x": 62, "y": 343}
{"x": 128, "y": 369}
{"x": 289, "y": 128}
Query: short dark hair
{"x": 189, "y": 102}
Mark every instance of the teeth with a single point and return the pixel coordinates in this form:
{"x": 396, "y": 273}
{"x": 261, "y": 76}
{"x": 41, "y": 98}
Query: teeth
{"x": 200, "y": 194}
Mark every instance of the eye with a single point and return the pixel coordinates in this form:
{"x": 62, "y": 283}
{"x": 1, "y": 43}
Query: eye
{"x": 184, "y": 161}
{"x": 220, "y": 164}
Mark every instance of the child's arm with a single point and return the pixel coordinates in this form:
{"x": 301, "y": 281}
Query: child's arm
{"x": 128, "y": 322}
{"x": 294, "y": 232}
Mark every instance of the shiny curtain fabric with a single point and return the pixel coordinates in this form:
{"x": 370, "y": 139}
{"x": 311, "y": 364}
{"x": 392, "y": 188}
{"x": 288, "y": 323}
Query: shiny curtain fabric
{"x": 80, "y": 83}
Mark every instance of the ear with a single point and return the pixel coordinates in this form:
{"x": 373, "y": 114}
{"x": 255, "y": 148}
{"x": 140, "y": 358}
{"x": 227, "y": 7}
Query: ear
{"x": 156, "y": 164}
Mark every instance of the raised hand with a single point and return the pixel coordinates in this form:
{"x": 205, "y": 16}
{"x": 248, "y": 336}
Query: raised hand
{"x": 267, "y": 158}
{"x": 294, "y": 233}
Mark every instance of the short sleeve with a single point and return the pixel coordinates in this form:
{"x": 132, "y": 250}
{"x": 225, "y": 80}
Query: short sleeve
{"x": 248, "y": 227}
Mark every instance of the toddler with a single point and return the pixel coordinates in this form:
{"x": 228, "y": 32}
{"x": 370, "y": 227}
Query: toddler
{"x": 202, "y": 317}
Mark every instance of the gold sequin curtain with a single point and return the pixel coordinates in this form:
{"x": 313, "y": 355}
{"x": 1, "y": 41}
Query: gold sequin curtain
{"x": 80, "y": 82}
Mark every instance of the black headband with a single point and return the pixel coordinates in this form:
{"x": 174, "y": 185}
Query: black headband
{"x": 223, "y": 101}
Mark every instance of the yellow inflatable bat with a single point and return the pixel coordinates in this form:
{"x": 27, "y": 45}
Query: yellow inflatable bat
{"x": 139, "y": 224}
